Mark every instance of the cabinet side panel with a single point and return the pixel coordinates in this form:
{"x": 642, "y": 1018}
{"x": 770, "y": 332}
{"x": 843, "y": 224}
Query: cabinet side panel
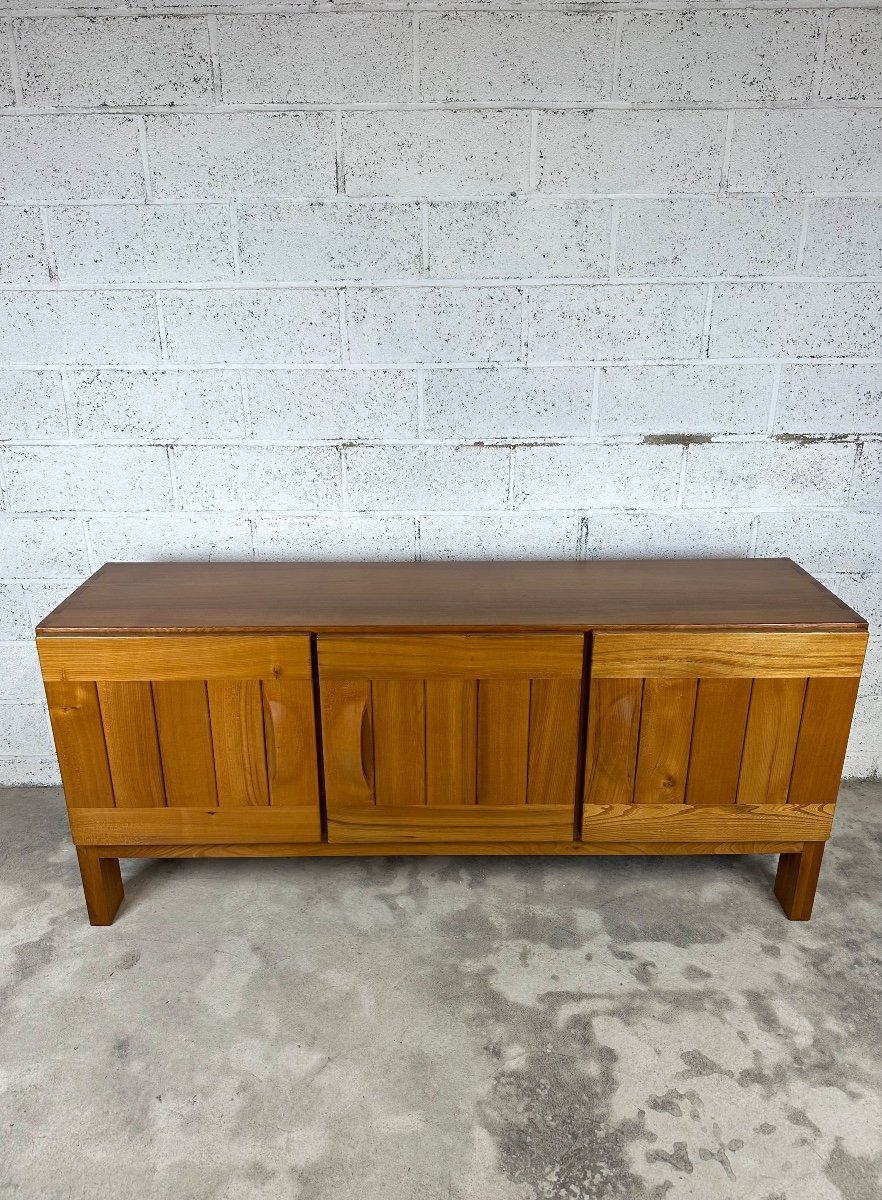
{"x": 132, "y": 745}
{"x": 665, "y": 739}
{"x": 79, "y": 741}
{"x": 770, "y": 741}
{"x": 554, "y": 741}
{"x": 184, "y": 730}
{"x": 289, "y": 724}
{"x": 347, "y": 742}
{"x": 503, "y": 740}
{"x": 399, "y": 741}
{"x": 717, "y": 741}
{"x": 451, "y": 741}
{"x": 611, "y": 752}
{"x": 237, "y": 735}
{"x": 823, "y": 737}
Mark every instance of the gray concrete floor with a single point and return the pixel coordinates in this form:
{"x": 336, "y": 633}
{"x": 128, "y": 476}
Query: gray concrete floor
{"x": 439, "y": 1029}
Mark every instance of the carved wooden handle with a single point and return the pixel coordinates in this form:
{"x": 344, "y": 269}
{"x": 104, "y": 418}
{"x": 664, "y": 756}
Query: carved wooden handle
{"x": 367, "y": 745}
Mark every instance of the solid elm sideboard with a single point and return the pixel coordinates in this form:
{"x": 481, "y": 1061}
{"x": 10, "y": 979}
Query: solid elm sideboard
{"x": 688, "y": 707}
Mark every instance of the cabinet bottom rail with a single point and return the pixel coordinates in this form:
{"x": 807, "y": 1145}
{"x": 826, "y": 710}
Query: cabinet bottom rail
{"x": 798, "y": 866}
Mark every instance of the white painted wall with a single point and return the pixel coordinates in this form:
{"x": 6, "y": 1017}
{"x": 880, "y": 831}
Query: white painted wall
{"x": 426, "y": 284}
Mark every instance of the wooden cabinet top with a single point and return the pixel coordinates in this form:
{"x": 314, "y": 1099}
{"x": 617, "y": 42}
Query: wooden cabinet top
{"x": 323, "y": 597}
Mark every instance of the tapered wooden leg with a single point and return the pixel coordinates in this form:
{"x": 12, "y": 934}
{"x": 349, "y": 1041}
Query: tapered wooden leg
{"x": 102, "y": 883}
{"x": 797, "y": 879}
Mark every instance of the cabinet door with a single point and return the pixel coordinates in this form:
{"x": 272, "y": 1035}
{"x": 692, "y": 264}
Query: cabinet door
{"x": 185, "y": 739}
{"x": 729, "y": 737}
{"x": 438, "y": 738}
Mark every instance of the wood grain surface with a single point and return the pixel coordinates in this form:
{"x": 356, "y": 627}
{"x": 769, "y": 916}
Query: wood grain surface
{"x": 324, "y": 597}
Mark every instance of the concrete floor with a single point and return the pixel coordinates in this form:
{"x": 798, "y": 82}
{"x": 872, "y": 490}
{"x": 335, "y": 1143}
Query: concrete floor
{"x": 439, "y": 1029}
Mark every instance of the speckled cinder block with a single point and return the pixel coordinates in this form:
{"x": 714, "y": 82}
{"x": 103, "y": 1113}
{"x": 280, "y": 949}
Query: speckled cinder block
{"x": 158, "y": 537}
{"x": 32, "y": 404}
{"x": 835, "y": 320}
{"x": 78, "y": 327}
{"x": 70, "y": 157}
{"x": 427, "y": 478}
{"x": 15, "y": 622}
{"x": 705, "y": 398}
{"x": 319, "y": 241}
{"x": 465, "y": 152}
{"x": 806, "y": 151}
{"x": 200, "y": 156}
{"x": 499, "y": 536}
{"x": 844, "y": 237}
{"x": 114, "y": 60}
{"x": 55, "y": 478}
{"x": 835, "y": 399}
{"x": 520, "y": 57}
{"x": 596, "y": 476}
{"x": 715, "y": 57}
{"x": 853, "y": 58}
{"x": 124, "y": 243}
{"x": 822, "y": 541}
{"x": 610, "y": 150}
{"x": 768, "y": 474}
{"x": 319, "y": 404}
{"x": 434, "y": 324}
{"x": 148, "y": 405}
{"x": 325, "y": 58}
{"x": 245, "y": 326}
{"x": 42, "y": 547}
{"x": 341, "y": 538}
{"x": 867, "y": 489}
{"x": 23, "y": 257}
{"x": 675, "y": 534}
{"x": 7, "y": 91}
{"x": 20, "y": 678}
{"x": 508, "y": 402}
{"x": 265, "y": 478}
{"x": 616, "y": 321}
{"x": 24, "y": 730}
{"x": 532, "y": 236}
{"x": 733, "y": 235}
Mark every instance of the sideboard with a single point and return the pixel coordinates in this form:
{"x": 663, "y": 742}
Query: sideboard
{"x": 614, "y": 707}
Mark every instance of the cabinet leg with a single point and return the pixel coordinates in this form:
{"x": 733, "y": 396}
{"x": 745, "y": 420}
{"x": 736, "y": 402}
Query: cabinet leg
{"x": 102, "y": 883}
{"x": 797, "y": 879}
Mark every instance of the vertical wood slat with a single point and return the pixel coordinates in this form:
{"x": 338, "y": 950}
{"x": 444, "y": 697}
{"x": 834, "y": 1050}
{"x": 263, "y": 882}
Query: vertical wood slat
{"x": 347, "y": 741}
{"x": 79, "y": 739}
{"x": 132, "y": 745}
{"x": 289, "y": 726}
{"x": 770, "y": 741}
{"x": 554, "y": 741}
{"x": 237, "y": 734}
{"x": 717, "y": 741}
{"x": 665, "y": 739}
{"x": 184, "y": 730}
{"x": 399, "y": 741}
{"x": 451, "y": 741}
{"x": 611, "y": 748}
{"x": 822, "y": 740}
{"x": 503, "y": 740}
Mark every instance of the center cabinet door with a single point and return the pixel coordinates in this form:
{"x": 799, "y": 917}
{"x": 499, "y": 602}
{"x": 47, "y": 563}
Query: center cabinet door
{"x": 443, "y": 738}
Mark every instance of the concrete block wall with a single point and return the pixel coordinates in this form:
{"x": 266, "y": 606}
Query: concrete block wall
{"x": 324, "y": 281}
